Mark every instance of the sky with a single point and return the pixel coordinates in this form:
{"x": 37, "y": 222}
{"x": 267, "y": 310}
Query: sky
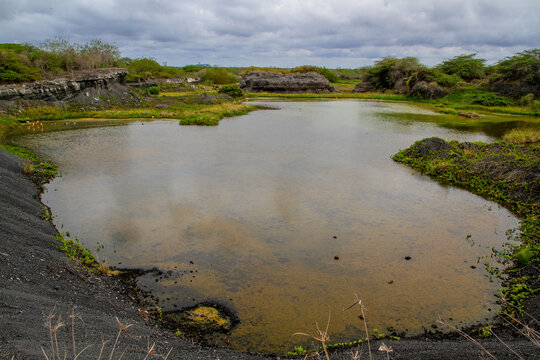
{"x": 281, "y": 33}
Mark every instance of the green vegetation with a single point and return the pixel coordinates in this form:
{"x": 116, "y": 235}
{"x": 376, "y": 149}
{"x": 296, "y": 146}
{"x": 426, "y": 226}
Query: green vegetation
{"x": 522, "y": 66}
{"x": 153, "y": 90}
{"x": 76, "y": 252}
{"x": 23, "y": 62}
{"x": 200, "y": 119}
{"x": 386, "y": 73}
{"x": 475, "y": 95}
{"x": 232, "y": 90}
{"x": 218, "y": 76}
{"x": 465, "y": 67}
{"x": 523, "y": 136}
{"x": 480, "y": 168}
{"x": 40, "y": 172}
{"x": 143, "y": 69}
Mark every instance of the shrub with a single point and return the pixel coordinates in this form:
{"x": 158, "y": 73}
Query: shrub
{"x": 464, "y": 66}
{"x": 386, "y": 72}
{"x": 218, "y": 76}
{"x": 445, "y": 79}
{"x": 153, "y": 90}
{"x": 527, "y": 100}
{"x": 192, "y": 68}
{"x": 330, "y": 76}
{"x": 232, "y": 90}
{"x": 475, "y": 95}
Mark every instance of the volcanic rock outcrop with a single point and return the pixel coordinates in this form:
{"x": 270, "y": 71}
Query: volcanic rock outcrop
{"x": 268, "y": 81}
{"x": 84, "y": 87}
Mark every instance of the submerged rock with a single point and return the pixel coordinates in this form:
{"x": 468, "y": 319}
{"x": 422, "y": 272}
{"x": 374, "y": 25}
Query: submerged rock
{"x": 268, "y": 81}
{"x": 202, "y": 319}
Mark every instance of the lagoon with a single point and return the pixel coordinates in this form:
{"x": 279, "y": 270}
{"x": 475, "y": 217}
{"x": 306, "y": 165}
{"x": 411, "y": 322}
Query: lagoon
{"x": 284, "y": 216}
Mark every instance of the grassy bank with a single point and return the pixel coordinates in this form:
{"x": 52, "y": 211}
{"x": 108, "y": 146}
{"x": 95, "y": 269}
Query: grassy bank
{"x": 503, "y": 172}
{"x": 175, "y": 106}
{"x": 443, "y": 106}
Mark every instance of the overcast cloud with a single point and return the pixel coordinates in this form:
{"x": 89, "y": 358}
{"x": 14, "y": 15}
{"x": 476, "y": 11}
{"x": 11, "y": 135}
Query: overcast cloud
{"x": 331, "y": 33}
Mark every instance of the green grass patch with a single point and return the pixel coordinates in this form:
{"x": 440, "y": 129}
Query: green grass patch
{"x": 19, "y": 151}
{"x": 75, "y": 251}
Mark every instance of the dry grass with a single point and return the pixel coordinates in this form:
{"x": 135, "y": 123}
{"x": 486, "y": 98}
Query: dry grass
{"x": 54, "y": 323}
{"x": 523, "y": 136}
{"x": 321, "y": 336}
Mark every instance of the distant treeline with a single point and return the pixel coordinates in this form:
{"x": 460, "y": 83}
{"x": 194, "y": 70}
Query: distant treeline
{"x": 23, "y": 62}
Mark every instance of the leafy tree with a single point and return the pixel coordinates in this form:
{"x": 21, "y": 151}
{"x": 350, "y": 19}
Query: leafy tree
{"x": 522, "y": 66}
{"x": 464, "y": 66}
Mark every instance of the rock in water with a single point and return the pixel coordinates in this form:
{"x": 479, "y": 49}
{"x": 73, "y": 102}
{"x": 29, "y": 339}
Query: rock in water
{"x": 268, "y": 81}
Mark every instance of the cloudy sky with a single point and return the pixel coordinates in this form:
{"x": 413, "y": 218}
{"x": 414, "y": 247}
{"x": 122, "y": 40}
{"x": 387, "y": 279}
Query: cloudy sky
{"x": 282, "y": 33}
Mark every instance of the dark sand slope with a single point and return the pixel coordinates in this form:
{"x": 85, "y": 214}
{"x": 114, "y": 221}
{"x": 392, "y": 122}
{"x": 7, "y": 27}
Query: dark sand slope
{"x": 36, "y": 280}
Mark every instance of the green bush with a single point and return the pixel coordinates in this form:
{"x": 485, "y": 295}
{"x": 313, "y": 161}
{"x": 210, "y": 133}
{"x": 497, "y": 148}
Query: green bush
{"x": 218, "y": 76}
{"x": 464, "y": 66}
{"x": 527, "y": 100}
{"x": 475, "y": 95}
{"x": 154, "y": 90}
{"x": 232, "y": 90}
{"x": 192, "y": 68}
{"x": 445, "y": 79}
{"x": 330, "y": 76}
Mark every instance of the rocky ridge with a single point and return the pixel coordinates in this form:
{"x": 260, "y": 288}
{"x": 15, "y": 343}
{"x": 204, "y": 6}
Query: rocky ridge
{"x": 268, "y": 81}
{"x": 83, "y": 87}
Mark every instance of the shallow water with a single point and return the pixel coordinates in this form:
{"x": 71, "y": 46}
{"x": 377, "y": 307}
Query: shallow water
{"x": 252, "y": 214}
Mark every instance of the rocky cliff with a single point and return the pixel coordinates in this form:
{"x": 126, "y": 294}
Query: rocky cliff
{"x": 84, "y": 87}
{"x": 267, "y": 81}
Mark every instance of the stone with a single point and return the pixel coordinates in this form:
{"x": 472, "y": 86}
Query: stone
{"x": 268, "y": 81}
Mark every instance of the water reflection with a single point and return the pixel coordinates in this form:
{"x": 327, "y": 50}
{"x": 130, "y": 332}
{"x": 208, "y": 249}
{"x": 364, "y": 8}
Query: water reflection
{"x": 253, "y": 213}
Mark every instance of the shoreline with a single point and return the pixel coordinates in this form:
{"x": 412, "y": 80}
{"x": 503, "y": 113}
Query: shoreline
{"x": 107, "y": 288}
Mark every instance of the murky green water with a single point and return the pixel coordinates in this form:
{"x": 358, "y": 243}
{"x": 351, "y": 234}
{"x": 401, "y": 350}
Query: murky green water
{"x": 252, "y": 213}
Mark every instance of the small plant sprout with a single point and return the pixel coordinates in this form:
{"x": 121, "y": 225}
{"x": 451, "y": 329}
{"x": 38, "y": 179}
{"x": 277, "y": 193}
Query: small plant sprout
{"x": 386, "y": 349}
{"x": 322, "y": 336}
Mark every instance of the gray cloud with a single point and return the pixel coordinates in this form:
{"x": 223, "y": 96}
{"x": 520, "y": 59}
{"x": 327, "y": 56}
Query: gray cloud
{"x": 334, "y": 33}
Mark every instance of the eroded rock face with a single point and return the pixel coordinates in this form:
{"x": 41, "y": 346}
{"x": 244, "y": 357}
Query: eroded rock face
{"x": 83, "y": 87}
{"x": 267, "y": 81}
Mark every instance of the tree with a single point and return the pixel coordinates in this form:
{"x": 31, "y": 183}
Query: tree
{"x": 465, "y": 66}
{"x": 522, "y": 66}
